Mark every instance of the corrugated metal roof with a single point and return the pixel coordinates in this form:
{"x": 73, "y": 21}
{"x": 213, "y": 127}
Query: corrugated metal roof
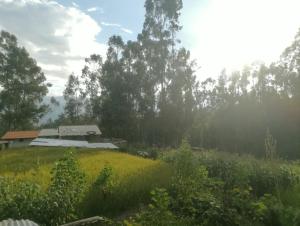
{"x": 12, "y": 135}
{"x": 11, "y": 222}
{"x": 70, "y": 143}
{"x": 57, "y": 143}
{"x": 48, "y": 132}
{"x": 88, "y": 221}
{"x": 102, "y": 145}
{"x": 81, "y": 130}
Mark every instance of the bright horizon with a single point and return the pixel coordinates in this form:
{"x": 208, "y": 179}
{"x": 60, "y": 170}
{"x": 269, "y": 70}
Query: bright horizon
{"x": 233, "y": 33}
{"x": 220, "y": 34}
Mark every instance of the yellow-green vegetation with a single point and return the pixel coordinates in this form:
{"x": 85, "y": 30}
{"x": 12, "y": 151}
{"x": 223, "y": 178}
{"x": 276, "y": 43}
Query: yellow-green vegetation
{"x": 86, "y": 183}
{"x": 189, "y": 188}
{"x": 35, "y": 164}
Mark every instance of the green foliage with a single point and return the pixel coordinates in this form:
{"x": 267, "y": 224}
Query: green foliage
{"x": 100, "y": 191}
{"x": 65, "y": 191}
{"x": 146, "y": 92}
{"x": 279, "y": 214}
{"x": 19, "y": 199}
{"x": 104, "y": 178}
{"x": 74, "y": 99}
{"x": 290, "y": 197}
{"x": 206, "y": 200}
{"x": 111, "y": 194}
{"x": 23, "y": 86}
{"x": 57, "y": 205}
{"x": 225, "y": 189}
{"x": 144, "y": 89}
{"x": 205, "y": 189}
{"x": 262, "y": 176}
{"x": 157, "y": 213}
{"x": 290, "y": 216}
{"x": 270, "y": 146}
{"x": 184, "y": 164}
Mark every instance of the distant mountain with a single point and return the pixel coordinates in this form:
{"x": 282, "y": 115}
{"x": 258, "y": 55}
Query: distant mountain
{"x": 55, "y": 110}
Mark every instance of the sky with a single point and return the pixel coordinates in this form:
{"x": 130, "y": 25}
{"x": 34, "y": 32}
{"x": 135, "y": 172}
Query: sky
{"x": 229, "y": 34}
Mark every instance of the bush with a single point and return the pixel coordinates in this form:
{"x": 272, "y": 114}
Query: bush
{"x": 65, "y": 192}
{"x": 220, "y": 196}
{"x": 19, "y": 199}
{"x": 262, "y": 176}
{"x": 57, "y": 205}
{"x": 157, "y": 213}
{"x": 99, "y": 192}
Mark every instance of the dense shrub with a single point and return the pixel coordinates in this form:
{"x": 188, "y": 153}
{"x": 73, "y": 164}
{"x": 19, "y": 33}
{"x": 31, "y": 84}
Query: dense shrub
{"x": 57, "y": 205}
{"x": 19, "y": 199}
{"x": 65, "y": 192}
{"x": 204, "y": 189}
{"x": 263, "y": 176}
{"x": 219, "y": 200}
{"x": 157, "y": 213}
{"x": 99, "y": 192}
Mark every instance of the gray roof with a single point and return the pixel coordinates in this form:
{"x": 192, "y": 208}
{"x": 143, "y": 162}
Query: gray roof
{"x": 81, "y": 130}
{"x": 57, "y": 143}
{"x": 70, "y": 143}
{"x": 11, "y": 222}
{"x": 48, "y": 133}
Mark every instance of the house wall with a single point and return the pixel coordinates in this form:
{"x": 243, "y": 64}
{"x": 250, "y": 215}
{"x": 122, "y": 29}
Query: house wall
{"x": 3, "y": 145}
{"x": 89, "y": 138}
{"x": 19, "y": 143}
{"x": 49, "y": 137}
{"x": 79, "y": 138}
{"x": 93, "y": 138}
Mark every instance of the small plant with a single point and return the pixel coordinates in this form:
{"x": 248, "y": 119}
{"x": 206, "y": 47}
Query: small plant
{"x": 104, "y": 181}
{"x": 270, "y": 146}
{"x": 99, "y": 192}
{"x": 184, "y": 163}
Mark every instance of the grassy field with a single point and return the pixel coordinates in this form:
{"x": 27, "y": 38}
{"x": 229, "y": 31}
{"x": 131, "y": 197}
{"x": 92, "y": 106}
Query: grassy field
{"x": 35, "y": 164}
{"x": 134, "y": 177}
{"x": 239, "y": 188}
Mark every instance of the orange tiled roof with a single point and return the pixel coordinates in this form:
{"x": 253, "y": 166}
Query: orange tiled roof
{"x": 12, "y": 135}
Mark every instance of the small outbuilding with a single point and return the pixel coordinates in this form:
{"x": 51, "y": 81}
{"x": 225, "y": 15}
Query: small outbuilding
{"x": 19, "y": 138}
{"x": 3, "y": 144}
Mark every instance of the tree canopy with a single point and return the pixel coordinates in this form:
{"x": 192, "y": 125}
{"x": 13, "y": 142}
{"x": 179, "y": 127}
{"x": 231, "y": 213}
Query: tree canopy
{"x": 22, "y": 86}
{"x": 146, "y": 91}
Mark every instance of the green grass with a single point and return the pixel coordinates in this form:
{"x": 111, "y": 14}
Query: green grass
{"x": 35, "y": 164}
{"x": 135, "y": 176}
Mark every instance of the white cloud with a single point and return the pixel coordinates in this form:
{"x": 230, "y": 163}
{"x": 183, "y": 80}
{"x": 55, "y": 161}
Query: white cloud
{"x": 110, "y": 24}
{"x": 75, "y": 4}
{"x": 58, "y": 37}
{"x": 92, "y": 9}
{"x": 232, "y": 33}
{"x": 127, "y": 30}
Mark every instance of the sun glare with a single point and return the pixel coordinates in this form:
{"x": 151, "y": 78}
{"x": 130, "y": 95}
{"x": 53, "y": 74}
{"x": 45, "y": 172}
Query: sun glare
{"x": 233, "y": 33}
